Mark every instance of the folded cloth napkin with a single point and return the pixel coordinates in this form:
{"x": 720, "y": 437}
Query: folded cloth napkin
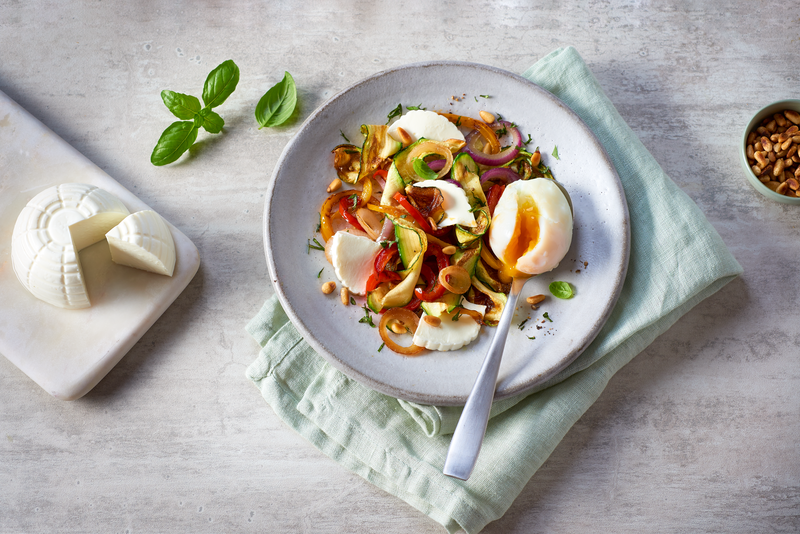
{"x": 677, "y": 260}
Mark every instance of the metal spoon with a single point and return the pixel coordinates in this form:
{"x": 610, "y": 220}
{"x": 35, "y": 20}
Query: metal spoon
{"x": 468, "y": 437}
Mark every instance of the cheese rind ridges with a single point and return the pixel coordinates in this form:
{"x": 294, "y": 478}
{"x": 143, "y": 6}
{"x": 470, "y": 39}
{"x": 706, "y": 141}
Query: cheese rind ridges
{"x": 51, "y": 229}
{"x": 143, "y": 241}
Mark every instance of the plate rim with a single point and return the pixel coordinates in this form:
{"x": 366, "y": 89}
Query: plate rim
{"x": 401, "y": 393}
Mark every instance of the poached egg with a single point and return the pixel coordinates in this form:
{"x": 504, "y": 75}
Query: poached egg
{"x": 531, "y": 229}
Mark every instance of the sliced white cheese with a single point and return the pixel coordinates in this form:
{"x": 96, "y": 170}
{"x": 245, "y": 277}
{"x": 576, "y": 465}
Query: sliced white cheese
{"x": 456, "y": 205}
{"x": 450, "y": 334}
{"x": 428, "y": 124}
{"x": 143, "y": 241}
{"x": 49, "y": 232}
{"x": 353, "y": 257}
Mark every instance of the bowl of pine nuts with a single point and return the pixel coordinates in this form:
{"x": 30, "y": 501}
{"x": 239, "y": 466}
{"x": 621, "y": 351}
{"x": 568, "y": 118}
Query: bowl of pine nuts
{"x": 769, "y": 151}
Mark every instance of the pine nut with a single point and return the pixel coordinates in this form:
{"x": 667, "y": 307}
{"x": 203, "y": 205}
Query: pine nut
{"x": 328, "y": 287}
{"x": 405, "y": 138}
{"x": 449, "y": 250}
{"x": 757, "y": 170}
{"x": 487, "y": 117}
{"x": 431, "y": 320}
{"x": 536, "y": 158}
{"x": 778, "y": 169}
{"x": 397, "y": 327}
{"x": 792, "y": 116}
{"x": 751, "y": 138}
{"x": 782, "y": 188}
{"x": 535, "y": 299}
{"x": 771, "y": 126}
{"x": 794, "y": 185}
{"x": 335, "y": 185}
{"x": 772, "y": 184}
{"x": 786, "y": 144}
{"x": 345, "y": 296}
{"x": 751, "y": 154}
{"x": 766, "y": 143}
{"x": 780, "y": 119}
{"x": 762, "y": 161}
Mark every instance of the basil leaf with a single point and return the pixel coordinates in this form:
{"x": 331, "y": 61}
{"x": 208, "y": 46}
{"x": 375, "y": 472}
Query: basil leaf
{"x": 211, "y": 121}
{"x": 181, "y": 105}
{"x": 396, "y": 112}
{"x": 555, "y": 153}
{"x": 220, "y": 83}
{"x": 562, "y": 290}
{"x": 175, "y": 140}
{"x": 278, "y": 103}
{"x": 423, "y": 170}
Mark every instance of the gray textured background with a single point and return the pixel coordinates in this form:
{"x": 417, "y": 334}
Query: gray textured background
{"x": 700, "y": 433}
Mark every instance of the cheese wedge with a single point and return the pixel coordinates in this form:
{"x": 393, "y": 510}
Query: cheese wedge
{"x": 353, "y": 257}
{"x": 143, "y": 241}
{"x": 454, "y": 331}
{"x": 50, "y": 231}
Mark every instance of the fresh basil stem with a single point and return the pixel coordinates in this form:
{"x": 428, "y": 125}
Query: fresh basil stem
{"x": 278, "y": 103}
{"x": 181, "y": 135}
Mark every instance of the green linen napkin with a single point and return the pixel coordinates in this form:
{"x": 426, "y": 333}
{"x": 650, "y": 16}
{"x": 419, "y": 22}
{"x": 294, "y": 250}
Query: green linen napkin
{"x": 677, "y": 260}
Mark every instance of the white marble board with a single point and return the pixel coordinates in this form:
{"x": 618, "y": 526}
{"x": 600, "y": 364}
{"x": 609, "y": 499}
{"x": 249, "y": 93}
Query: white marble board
{"x": 67, "y": 352}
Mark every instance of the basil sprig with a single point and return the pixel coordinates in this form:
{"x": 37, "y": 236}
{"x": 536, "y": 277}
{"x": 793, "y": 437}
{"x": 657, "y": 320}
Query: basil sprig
{"x": 181, "y": 135}
{"x": 278, "y": 103}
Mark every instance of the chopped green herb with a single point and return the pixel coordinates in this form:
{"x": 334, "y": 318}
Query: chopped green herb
{"x": 386, "y": 244}
{"x": 476, "y": 99}
{"x": 319, "y": 223}
{"x": 316, "y": 245}
{"x": 562, "y": 290}
{"x": 413, "y": 108}
{"x": 528, "y": 141}
{"x": 522, "y": 324}
{"x": 367, "y": 319}
{"x": 485, "y": 96}
{"x": 381, "y": 347}
{"x": 546, "y": 316}
{"x": 458, "y": 121}
{"x": 423, "y": 170}
{"x": 456, "y": 316}
{"x": 555, "y": 153}
{"x": 531, "y": 337}
{"x": 501, "y": 132}
{"x": 344, "y": 136}
{"x": 320, "y": 272}
{"x": 396, "y": 112}
{"x": 353, "y": 302}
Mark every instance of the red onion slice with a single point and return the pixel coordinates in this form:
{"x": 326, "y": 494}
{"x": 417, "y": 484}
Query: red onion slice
{"x": 500, "y": 175}
{"x": 501, "y": 157}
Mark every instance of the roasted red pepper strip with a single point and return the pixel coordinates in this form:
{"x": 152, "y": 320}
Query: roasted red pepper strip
{"x": 495, "y": 192}
{"x": 379, "y": 272}
{"x": 433, "y": 289}
{"x": 345, "y": 205}
{"x": 414, "y": 212}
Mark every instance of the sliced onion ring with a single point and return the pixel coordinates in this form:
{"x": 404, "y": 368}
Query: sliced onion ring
{"x": 501, "y": 157}
{"x": 500, "y": 175}
{"x": 472, "y": 313}
{"x": 455, "y": 279}
{"x": 427, "y": 148}
{"x": 407, "y": 318}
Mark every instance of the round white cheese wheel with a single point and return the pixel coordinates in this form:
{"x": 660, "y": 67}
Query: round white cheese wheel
{"x": 50, "y": 231}
{"x": 143, "y": 241}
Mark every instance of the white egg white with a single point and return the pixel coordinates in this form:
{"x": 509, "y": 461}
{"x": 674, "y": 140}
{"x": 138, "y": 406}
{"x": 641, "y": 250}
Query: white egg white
{"x": 521, "y": 202}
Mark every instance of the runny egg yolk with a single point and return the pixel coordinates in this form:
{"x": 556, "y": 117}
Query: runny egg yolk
{"x": 526, "y": 235}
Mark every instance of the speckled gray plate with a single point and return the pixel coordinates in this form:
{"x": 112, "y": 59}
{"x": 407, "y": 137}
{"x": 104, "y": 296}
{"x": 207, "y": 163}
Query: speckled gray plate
{"x": 595, "y": 265}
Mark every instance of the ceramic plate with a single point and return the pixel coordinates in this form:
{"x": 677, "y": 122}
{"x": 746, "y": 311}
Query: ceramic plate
{"x": 67, "y": 352}
{"x": 595, "y": 265}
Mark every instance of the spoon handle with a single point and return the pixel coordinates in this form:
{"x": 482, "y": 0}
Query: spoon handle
{"x": 468, "y": 437}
